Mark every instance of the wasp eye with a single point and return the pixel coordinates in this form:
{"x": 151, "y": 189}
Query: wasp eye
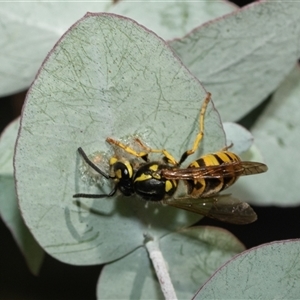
{"x": 122, "y": 170}
{"x": 123, "y": 173}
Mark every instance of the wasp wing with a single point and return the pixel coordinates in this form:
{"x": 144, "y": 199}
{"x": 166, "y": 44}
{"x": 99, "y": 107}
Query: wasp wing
{"x": 240, "y": 168}
{"x": 221, "y": 207}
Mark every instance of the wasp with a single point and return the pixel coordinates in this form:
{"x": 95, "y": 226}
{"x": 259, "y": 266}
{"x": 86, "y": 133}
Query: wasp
{"x": 204, "y": 178}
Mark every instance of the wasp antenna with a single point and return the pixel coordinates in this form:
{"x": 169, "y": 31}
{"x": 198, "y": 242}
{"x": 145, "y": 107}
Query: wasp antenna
{"x": 81, "y": 195}
{"x": 91, "y": 164}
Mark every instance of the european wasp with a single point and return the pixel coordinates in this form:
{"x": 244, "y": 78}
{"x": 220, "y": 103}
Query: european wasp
{"x": 204, "y": 178}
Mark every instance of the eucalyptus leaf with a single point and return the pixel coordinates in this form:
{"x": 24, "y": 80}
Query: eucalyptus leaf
{"x": 35, "y": 27}
{"x": 192, "y": 255}
{"x": 238, "y": 138}
{"x": 173, "y": 19}
{"x": 277, "y": 136}
{"x": 7, "y": 144}
{"x": 270, "y": 271}
{"x": 253, "y": 154}
{"x": 9, "y": 210}
{"x": 242, "y": 57}
{"x": 28, "y": 32}
{"x": 133, "y": 278}
{"x": 106, "y": 77}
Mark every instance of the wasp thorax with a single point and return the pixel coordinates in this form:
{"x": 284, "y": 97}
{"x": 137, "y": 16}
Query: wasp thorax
{"x": 150, "y": 185}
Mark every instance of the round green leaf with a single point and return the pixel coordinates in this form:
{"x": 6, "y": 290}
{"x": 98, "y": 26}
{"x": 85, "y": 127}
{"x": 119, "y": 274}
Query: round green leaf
{"x": 9, "y": 210}
{"x": 106, "y": 77}
{"x": 277, "y": 136}
{"x": 7, "y": 144}
{"x": 29, "y": 31}
{"x": 237, "y": 137}
{"x": 192, "y": 255}
{"x": 173, "y": 19}
{"x": 242, "y": 57}
{"x": 34, "y": 27}
{"x": 253, "y": 154}
{"x": 270, "y": 271}
{"x": 133, "y": 278}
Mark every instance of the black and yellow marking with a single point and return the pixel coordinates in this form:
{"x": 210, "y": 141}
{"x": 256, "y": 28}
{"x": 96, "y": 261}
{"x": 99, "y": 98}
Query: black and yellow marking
{"x": 204, "y": 187}
{"x": 205, "y": 178}
{"x": 150, "y": 185}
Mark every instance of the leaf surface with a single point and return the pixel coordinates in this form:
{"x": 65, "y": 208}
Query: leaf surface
{"x": 270, "y": 271}
{"x": 173, "y": 19}
{"x": 242, "y": 57}
{"x": 107, "y": 77}
{"x": 9, "y": 210}
{"x": 277, "y": 136}
{"x": 192, "y": 255}
{"x": 30, "y": 29}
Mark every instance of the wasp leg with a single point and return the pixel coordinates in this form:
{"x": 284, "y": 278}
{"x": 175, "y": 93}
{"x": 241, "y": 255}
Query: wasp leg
{"x": 227, "y": 147}
{"x": 201, "y": 131}
{"x": 143, "y": 155}
{"x": 142, "y": 145}
{"x": 138, "y": 141}
{"x": 168, "y": 157}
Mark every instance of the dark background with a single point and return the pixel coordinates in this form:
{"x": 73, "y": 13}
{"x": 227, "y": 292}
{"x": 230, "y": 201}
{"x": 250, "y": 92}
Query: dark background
{"x": 61, "y": 281}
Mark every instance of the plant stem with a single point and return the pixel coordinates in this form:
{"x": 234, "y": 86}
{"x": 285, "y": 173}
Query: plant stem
{"x": 161, "y": 270}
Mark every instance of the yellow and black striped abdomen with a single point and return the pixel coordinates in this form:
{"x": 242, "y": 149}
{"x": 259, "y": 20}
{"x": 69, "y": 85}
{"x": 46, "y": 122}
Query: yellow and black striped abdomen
{"x": 204, "y": 187}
